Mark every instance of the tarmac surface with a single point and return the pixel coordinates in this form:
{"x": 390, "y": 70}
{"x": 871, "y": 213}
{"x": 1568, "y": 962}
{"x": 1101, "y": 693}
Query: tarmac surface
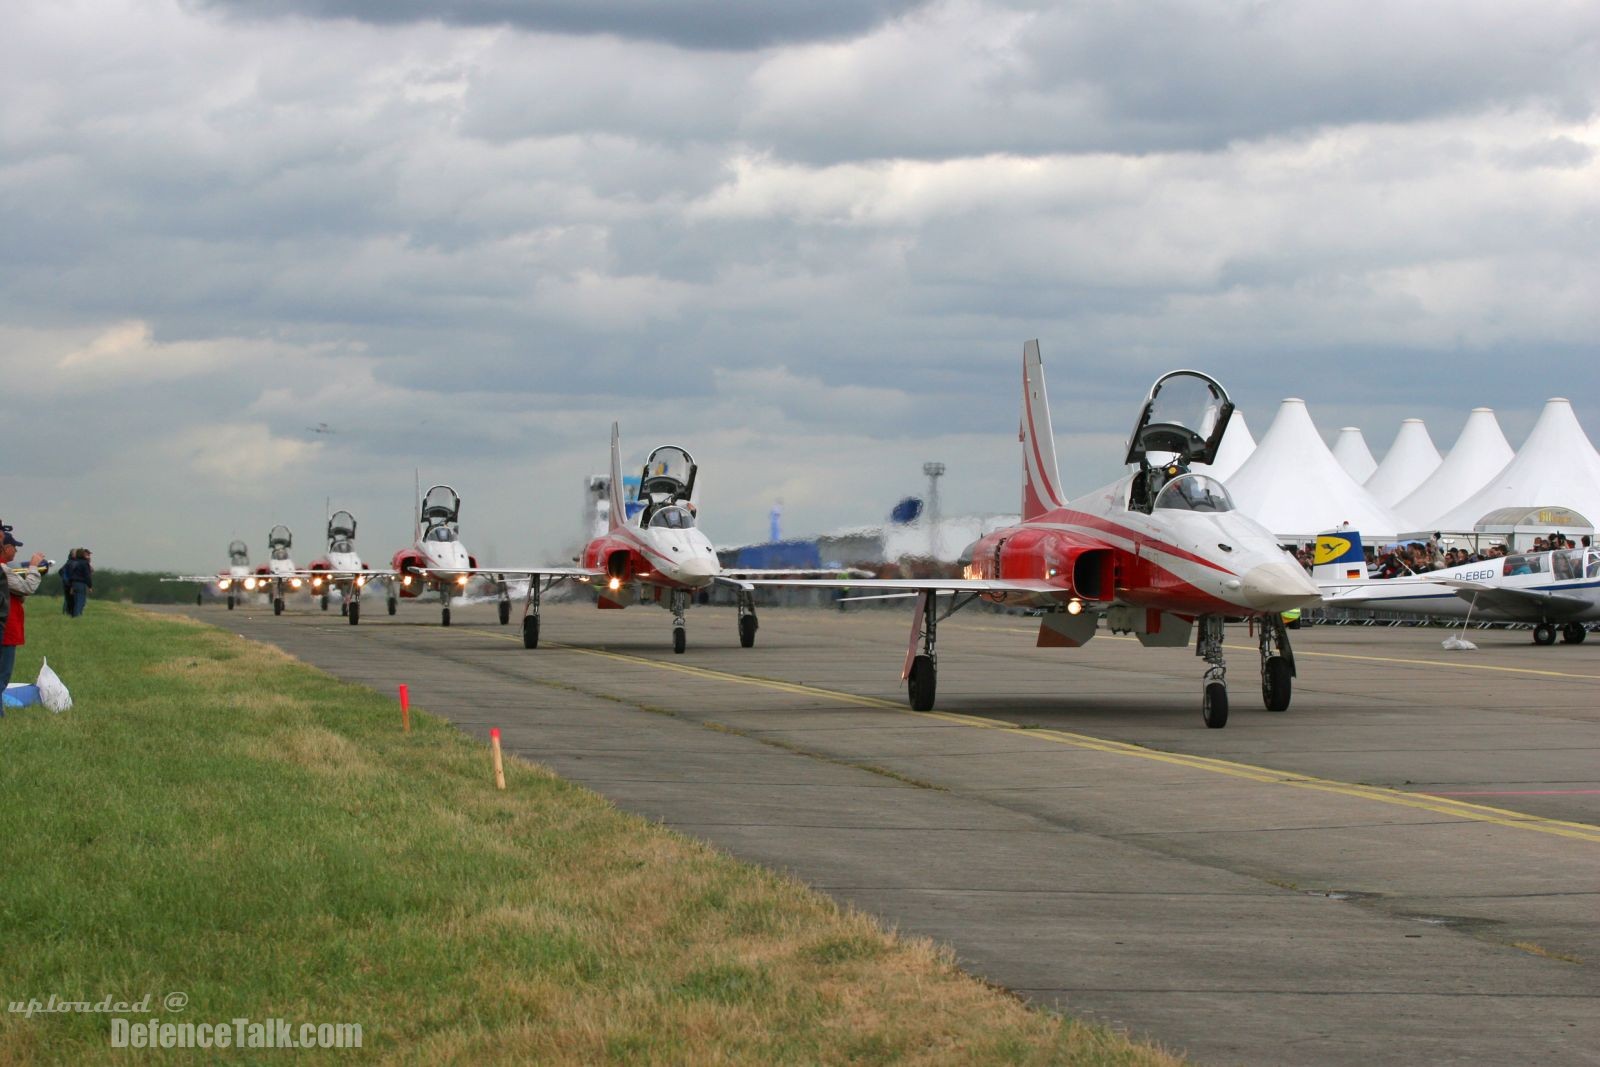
{"x": 1403, "y": 868}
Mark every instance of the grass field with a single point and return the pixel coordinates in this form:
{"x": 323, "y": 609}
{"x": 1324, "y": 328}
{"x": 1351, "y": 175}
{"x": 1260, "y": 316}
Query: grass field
{"x": 217, "y": 820}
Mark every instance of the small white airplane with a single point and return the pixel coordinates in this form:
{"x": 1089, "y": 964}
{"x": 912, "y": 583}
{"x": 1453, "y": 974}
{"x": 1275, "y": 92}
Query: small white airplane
{"x": 341, "y": 568}
{"x": 659, "y": 556}
{"x": 276, "y": 577}
{"x": 437, "y": 561}
{"x": 1557, "y": 588}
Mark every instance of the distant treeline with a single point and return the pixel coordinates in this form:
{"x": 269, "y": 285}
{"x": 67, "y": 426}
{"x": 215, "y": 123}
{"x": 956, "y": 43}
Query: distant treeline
{"x": 141, "y": 587}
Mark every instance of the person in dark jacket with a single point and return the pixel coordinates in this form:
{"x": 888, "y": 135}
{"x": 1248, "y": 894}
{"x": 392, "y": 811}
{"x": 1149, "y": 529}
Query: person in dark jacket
{"x": 66, "y": 586}
{"x": 78, "y": 578}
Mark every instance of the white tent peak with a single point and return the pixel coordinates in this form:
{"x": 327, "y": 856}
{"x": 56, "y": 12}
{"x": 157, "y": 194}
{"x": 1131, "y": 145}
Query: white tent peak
{"x": 1406, "y": 465}
{"x": 1557, "y": 466}
{"x": 1479, "y": 453}
{"x": 1293, "y": 486}
{"x": 1353, "y": 454}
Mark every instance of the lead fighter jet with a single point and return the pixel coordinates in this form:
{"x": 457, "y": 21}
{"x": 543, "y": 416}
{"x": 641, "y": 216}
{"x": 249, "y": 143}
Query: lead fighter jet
{"x": 1158, "y": 553}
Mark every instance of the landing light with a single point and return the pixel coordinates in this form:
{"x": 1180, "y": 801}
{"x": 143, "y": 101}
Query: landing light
{"x": 1074, "y": 607}
{"x": 614, "y": 584}
{"x": 316, "y": 583}
{"x": 249, "y": 583}
{"x": 406, "y": 580}
{"x": 462, "y": 580}
{"x": 294, "y": 583}
{"x": 224, "y": 584}
{"x": 361, "y": 581}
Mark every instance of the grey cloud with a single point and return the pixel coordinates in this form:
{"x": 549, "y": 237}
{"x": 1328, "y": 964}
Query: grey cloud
{"x": 696, "y": 24}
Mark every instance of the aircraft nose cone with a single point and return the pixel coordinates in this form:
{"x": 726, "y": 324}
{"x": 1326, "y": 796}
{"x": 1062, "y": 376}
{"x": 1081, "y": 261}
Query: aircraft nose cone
{"x": 700, "y": 566}
{"x": 1278, "y": 587}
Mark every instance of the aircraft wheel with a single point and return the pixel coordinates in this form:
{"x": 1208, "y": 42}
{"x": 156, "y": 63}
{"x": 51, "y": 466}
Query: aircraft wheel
{"x": 394, "y": 605}
{"x": 921, "y": 683}
{"x": 277, "y": 605}
{"x": 353, "y": 611}
{"x": 324, "y": 601}
{"x": 505, "y": 612}
{"x": 530, "y": 631}
{"x": 1214, "y": 707}
{"x": 680, "y": 639}
{"x": 1276, "y": 684}
{"x": 344, "y": 607}
{"x": 230, "y": 601}
{"x": 199, "y": 600}
{"x": 747, "y": 631}
{"x": 1573, "y": 633}
{"x": 444, "y": 617}
{"x": 1544, "y": 634}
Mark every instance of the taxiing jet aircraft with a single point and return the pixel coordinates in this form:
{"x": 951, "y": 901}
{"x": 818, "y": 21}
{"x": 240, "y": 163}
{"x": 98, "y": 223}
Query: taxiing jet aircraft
{"x": 1157, "y": 553}
{"x": 438, "y": 561}
{"x": 341, "y": 568}
{"x": 1558, "y": 588}
{"x": 658, "y": 557}
{"x": 275, "y": 577}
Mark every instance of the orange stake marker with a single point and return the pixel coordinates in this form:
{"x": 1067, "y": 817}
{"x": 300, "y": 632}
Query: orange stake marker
{"x": 499, "y": 766}
{"x": 405, "y": 709}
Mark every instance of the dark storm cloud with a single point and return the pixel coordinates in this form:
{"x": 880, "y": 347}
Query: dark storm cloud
{"x": 697, "y": 24}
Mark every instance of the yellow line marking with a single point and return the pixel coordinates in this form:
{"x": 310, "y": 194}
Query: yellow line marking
{"x": 1423, "y": 802}
{"x": 1327, "y": 655}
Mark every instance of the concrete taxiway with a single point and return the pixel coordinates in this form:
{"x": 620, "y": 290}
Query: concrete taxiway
{"x": 1403, "y": 868}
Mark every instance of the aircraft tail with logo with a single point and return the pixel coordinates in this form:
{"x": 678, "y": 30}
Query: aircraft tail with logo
{"x": 1040, "y": 481}
{"x": 1338, "y": 558}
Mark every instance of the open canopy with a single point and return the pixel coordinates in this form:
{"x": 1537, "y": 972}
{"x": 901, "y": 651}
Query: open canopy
{"x": 1184, "y": 417}
{"x": 668, "y": 475}
{"x": 341, "y": 527}
{"x": 279, "y": 541}
{"x": 440, "y": 504}
{"x": 238, "y": 553}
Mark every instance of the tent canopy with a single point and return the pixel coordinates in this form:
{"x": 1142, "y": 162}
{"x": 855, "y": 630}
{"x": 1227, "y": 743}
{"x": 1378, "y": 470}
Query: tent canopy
{"x": 1478, "y": 454}
{"x": 1556, "y": 467}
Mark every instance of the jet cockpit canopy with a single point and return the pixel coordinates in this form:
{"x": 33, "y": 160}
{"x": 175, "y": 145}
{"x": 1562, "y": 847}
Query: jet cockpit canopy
{"x": 1194, "y": 492}
{"x": 238, "y": 553}
{"x": 672, "y": 517}
{"x": 341, "y": 531}
{"x": 1182, "y": 421}
{"x": 279, "y": 541}
{"x": 441, "y": 505}
{"x": 668, "y": 476}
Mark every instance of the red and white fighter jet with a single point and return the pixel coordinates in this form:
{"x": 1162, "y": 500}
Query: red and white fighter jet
{"x": 1158, "y": 553}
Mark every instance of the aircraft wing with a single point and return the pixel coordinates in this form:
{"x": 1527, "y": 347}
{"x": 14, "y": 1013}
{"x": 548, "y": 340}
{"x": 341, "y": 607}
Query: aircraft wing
{"x": 519, "y": 572}
{"x": 1534, "y": 604}
{"x": 913, "y": 585}
{"x": 197, "y": 578}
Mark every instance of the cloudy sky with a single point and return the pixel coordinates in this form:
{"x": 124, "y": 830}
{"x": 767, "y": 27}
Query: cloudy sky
{"x": 807, "y": 241}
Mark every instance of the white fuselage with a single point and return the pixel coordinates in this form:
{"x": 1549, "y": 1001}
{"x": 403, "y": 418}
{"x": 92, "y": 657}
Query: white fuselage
{"x": 1578, "y": 578}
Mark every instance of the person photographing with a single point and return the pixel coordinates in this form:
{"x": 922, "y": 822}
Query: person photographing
{"x": 21, "y": 582}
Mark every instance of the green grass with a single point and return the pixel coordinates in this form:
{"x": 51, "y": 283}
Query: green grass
{"x": 218, "y": 819}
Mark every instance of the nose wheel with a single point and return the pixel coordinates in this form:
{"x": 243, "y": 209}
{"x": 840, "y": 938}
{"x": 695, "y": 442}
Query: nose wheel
{"x": 1214, "y": 699}
{"x": 1277, "y": 664}
{"x": 747, "y": 620}
{"x": 678, "y": 605}
{"x": 277, "y": 605}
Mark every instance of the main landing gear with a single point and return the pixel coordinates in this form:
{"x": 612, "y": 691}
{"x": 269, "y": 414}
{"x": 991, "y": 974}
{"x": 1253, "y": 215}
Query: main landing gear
{"x": 1572, "y": 633}
{"x": 923, "y": 674}
{"x": 1277, "y": 663}
{"x": 679, "y": 604}
{"x": 747, "y": 619}
{"x": 1208, "y": 646}
{"x": 530, "y": 613}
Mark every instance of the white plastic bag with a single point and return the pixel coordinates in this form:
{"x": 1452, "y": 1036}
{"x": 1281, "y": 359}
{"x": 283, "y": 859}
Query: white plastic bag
{"x": 52, "y": 693}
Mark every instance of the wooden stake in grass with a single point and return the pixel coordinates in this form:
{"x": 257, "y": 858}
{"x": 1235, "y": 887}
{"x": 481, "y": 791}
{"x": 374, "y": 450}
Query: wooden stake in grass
{"x": 499, "y": 766}
{"x": 405, "y": 709}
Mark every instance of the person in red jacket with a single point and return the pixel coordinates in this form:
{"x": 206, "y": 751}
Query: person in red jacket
{"x": 20, "y": 583}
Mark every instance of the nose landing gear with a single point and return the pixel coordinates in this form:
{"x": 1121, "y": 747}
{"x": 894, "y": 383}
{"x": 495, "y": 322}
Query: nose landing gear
{"x": 678, "y": 605}
{"x": 747, "y": 619}
{"x": 1277, "y": 664}
{"x": 1208, "y": 646}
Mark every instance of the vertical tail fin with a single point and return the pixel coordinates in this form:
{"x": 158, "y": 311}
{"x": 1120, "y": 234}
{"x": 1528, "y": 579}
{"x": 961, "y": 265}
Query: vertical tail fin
{"x": 1039, "y": 478}
{"x": 1339, "y": 558}
{"x": 619, "y": 510}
